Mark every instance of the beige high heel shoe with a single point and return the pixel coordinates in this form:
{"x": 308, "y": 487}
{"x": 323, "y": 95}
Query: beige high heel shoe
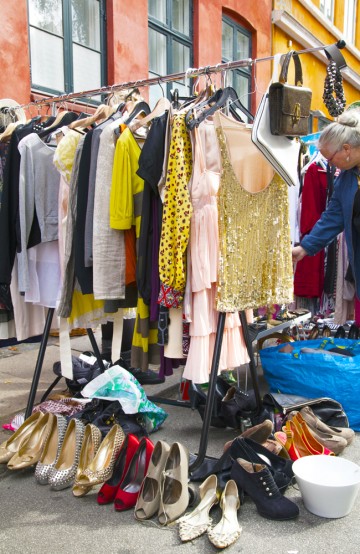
{"x": 62, "y": 475}
{"x": 90, "y": 446}
{"x": 13, "y": 444}
{"x": 101, "y": 467}
{"x": 197, "y": 522}
{"x": 31, "y": 449}
{"x": 228, "y": 530}
{"x": 51, "y": 449}
{"x": 175, "y": 492}
{"x": 148, "y": 501}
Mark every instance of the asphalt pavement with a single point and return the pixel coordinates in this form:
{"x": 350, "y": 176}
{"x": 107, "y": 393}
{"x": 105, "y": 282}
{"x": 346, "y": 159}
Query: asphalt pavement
{"x": 36, "y": 520}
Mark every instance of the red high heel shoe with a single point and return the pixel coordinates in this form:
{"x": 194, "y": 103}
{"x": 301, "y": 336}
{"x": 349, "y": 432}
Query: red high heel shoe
{"x": 129, "y": 490}
{"x": 108, "y": 491}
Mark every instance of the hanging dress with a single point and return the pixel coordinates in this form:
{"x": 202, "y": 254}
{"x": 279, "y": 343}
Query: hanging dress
{"x": 255, "y": 246}
{"x": 200, "y": 309}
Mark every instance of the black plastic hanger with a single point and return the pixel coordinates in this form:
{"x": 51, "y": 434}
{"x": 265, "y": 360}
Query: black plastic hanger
{"x": 218, "y": 101}
{"x": 141, "y": 107}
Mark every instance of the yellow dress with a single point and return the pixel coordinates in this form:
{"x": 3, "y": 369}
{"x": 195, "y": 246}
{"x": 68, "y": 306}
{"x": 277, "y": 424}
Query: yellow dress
{"x": 255, "y": 266}
{"x": 177, "y": 210}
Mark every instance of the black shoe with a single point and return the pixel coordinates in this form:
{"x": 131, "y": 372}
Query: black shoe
{"x": 251, "y": 451}
{"x": 353, "y": 332}
{"x": 340, "y": 333}
{"x": 256, "y": 480}
{"x": 148, "y": 377}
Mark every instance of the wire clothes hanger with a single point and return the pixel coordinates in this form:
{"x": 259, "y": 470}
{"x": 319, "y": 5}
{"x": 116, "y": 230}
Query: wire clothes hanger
{"x": 200, "y": 457}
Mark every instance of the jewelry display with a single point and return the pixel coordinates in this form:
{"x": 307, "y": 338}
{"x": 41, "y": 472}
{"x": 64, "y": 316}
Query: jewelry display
{"x": 334, "y": 85}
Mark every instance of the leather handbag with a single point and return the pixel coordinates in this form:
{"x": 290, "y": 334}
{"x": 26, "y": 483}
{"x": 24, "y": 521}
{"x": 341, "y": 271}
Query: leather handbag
{"x": 280, "y": 151}
{"x": 289, "y": 104}
{"x": 330, "y": 411}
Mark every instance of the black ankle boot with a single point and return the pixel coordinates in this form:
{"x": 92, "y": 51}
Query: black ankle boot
{"x": 257, "y": 481}
{"x": 249, "y": 450}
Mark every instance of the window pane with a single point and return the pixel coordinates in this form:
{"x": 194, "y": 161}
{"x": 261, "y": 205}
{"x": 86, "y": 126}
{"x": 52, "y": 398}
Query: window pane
{"x": 157, "y": 52}
{"x": 157, "y": 8}
{"x": 181, "y": 16}
{"x": 83, "y": 60}
{"x": 180, "y": 57}
{"x": 242, "y": 86}
{"x": 47, "y": 61}
{"x": 86, "y": 22}
{"x": 47, "y": 15}
{"x": 227, "y": 41}
{"x": 242, "y": 46}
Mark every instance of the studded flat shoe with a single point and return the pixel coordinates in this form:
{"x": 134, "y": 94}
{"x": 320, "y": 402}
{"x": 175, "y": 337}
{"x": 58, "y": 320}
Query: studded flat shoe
{"x": 228, "y": 530}
{"x": 62, "y": 475}
{"x": 51, "y": 450}
{"x": 197, "y": 522}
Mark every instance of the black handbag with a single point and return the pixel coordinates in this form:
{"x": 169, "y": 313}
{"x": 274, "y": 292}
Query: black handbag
{"x": 278, "y": 406}
{"x": 289, "y": 105}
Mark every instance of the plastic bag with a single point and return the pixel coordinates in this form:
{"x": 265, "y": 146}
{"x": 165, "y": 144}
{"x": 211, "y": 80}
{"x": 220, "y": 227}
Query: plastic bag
{"x": 311, "y": 370}
{"x": 118, "y": 384}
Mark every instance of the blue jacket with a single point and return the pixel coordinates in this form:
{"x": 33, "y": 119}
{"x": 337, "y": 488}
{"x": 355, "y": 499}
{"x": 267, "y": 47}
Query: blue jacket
{"x": 338, "y": 217}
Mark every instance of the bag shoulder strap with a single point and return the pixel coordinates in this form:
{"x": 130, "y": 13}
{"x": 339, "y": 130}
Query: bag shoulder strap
{"x": 285, "y": 68}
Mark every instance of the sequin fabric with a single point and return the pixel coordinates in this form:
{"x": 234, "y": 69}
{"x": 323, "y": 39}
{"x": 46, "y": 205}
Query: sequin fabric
{"x": 255, "y": 265}
{"x": 175, "y": 230}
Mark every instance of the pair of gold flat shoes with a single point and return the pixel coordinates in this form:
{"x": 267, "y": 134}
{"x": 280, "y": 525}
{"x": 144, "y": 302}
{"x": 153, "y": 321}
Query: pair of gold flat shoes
{"x": 198, "y": 522}
{"x": 24, "y": 448}
{"x": 164, "y": 491}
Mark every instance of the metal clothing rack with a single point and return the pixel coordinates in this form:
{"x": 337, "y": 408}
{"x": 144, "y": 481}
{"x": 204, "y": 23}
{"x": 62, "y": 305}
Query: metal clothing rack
{"x": 332, "y": 51}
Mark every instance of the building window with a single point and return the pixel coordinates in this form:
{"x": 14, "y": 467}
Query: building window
{"x": 327, "y": 8}
{"x": 236, "y": 45}
{"x": 350, "y": 20}
{"x": 67, "y": 46}
{"x": 170, "y": 43}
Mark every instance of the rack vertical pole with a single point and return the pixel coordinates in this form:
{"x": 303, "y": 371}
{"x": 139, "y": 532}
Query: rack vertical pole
{"x": 39, "y": 363}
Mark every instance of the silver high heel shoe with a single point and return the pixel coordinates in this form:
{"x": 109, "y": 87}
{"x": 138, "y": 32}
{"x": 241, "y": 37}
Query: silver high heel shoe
{"x": 62, "y": 475}
{"x": 51, "y": 450}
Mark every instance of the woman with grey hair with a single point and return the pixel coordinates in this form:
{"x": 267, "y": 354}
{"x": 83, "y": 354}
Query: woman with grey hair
{"x": 339, "y": 143}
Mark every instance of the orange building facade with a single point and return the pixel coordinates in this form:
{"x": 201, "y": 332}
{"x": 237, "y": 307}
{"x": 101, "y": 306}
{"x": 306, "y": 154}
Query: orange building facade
{"x": 126, "y": 40}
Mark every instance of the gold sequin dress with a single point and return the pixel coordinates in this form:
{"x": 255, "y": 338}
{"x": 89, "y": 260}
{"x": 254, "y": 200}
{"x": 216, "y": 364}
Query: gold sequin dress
{"x": 200, "y": 305}
{"x": 255, "y": 266}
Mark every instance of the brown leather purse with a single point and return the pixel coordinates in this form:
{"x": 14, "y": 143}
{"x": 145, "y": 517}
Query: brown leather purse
{"x": 289, "y": 105}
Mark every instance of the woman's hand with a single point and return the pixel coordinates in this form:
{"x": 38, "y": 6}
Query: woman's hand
{"x": 298, "y": 253}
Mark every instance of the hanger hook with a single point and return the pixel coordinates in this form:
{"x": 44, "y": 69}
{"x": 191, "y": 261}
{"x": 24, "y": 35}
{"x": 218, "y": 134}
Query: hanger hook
{"x": 160, "y": 85}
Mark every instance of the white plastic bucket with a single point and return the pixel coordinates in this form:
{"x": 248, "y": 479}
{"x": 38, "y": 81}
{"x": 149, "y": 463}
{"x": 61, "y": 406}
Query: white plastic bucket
{"x": 328, "y": 485}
